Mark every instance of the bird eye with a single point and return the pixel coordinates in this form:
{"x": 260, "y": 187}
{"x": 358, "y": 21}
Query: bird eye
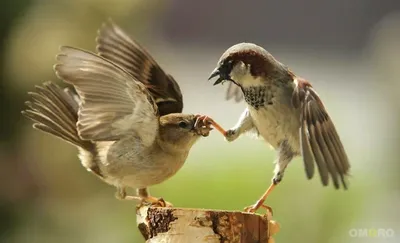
{"x": 183, "y": 124}
{"x": 229, "y": 65}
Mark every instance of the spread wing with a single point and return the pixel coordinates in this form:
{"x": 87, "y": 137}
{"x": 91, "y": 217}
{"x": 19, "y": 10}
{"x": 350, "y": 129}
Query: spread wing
{"x": 320, "y": 143}
{"x": 234, "y": 92}
{"x": 112, "y": 104}
{"x": 115, "y": 45}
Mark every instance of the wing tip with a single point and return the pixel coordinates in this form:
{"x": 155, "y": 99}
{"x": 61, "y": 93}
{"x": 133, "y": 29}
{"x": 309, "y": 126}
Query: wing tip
{"x": 57, "y": 67}
{"x": 109, "y": 24}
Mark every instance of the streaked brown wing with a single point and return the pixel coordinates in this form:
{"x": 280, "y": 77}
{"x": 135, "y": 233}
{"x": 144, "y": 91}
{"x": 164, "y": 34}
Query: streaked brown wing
{"x": 113, "y": 104}
{"x": 320, "y": 143}
{"x": 115, "y": 45}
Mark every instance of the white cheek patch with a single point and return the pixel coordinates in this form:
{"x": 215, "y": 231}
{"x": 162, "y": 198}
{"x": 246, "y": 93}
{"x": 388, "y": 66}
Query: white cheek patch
{"x": 241, "y": 74}
{"x": 239, "y": 71}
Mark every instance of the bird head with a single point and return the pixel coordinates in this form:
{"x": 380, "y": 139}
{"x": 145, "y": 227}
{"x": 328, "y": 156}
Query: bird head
{"x": 181, "y": 130}
{"x": 244, "y": 64}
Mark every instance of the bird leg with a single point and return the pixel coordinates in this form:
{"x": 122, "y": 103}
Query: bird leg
{"x": 146, "y": 198}
{"x": 244, "y": 124}
{"x": 285, "y": 155}
{"x": 121, "y": 195}
{"x": 208, "y": 120}
{"x": 143, "y": 197}
{"x": 260, "y": 202}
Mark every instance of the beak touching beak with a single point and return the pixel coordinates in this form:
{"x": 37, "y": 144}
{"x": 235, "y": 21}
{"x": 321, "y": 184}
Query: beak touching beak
{"x": 216, "y": 73}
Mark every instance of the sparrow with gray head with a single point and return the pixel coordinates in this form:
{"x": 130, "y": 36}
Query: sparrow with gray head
{"x": 285, "y": 111}
{"x": 130, "y": 132}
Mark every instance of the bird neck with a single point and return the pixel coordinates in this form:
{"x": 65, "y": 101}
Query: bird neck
{"x": 173, "y": 147}
{"x": 247, "y": 80}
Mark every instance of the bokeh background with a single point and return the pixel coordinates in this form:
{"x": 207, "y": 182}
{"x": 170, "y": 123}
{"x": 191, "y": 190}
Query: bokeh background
{"x": 349, "y": 50}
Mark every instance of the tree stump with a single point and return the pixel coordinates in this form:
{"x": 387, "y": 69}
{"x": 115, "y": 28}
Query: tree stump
{"x": 182, "y": 225}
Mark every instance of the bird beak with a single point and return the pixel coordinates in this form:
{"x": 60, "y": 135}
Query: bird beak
{"x": 215, "y": 73}
{"x": 223, "y": 75}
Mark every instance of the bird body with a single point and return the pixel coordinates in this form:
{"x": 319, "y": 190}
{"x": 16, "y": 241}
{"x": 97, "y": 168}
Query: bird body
{"x": 127, "y": 163}
{"x": 125, "y": 117}
{"x": 285, "y": 111}
{"x": 273, "y": 116}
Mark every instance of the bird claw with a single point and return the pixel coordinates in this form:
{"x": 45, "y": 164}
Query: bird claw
{"x": 253, "y": 208}
{"x": 156, "y": 202}
{"x": 207, "y": 121}
{"x": 161, "y": 203}
{"x": 202, "y": 125}
{"x": 143, "y": 200}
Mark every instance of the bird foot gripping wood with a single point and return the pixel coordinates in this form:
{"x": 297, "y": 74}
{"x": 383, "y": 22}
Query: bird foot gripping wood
{"x": 260, "y": 202}
{"x": 144, "y": 200}
{"x": 154, "y": 201}
{"x": 148, "y": 201}
{"x": 256, "y": 206}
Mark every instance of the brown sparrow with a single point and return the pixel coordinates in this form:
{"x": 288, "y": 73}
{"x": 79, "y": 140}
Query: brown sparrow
{"x": 130, "y": 132}
{"x": 285, "y": 110}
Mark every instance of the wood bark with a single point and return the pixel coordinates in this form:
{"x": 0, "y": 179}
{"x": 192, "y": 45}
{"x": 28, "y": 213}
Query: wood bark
{"x": 182, "y": 225}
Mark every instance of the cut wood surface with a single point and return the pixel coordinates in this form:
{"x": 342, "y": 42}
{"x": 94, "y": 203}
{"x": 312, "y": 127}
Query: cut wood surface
{"x": 184, "y": 225}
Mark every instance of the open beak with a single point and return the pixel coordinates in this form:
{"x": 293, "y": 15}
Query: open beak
{"x": 216, "y": 73}
{"x": 223, "y": 76}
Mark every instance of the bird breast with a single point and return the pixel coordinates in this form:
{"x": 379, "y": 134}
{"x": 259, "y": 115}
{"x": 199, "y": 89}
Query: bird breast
{"x": 273, "y": 114}
{"x": 128, "y": 163}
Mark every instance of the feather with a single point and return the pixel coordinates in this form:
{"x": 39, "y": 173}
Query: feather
{"x": 115, "y": 45}
{"x": 113, "y": 103}
{"x": 320, "y": 142}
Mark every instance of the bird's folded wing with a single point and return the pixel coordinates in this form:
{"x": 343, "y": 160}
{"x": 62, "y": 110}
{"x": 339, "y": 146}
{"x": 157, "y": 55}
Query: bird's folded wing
{"x": 112, "y": 103}
{"x": 320, "y": 143}
{"x": 115, "y": 45}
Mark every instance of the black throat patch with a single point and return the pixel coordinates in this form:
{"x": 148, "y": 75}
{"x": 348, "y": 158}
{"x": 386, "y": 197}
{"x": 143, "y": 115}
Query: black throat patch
{"x": 258, "y": 96}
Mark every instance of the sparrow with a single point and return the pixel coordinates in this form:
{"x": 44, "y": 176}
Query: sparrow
{"x": 125, "y": 121}
{"x": 286, "y": 111}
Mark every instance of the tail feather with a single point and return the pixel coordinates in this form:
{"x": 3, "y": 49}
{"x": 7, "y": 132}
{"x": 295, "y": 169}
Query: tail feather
{"x": 48, "y": 122}
{"x": 55, "y": 111}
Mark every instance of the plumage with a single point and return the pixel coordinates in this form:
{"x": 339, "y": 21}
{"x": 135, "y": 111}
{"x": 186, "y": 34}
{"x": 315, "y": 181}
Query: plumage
{"x": 115, "y": 45}
{"x": 124, "y": 135}
{"x": 286, "y": 111}
{"x": 113, "y": 102}
{"x": 320, "y": 136}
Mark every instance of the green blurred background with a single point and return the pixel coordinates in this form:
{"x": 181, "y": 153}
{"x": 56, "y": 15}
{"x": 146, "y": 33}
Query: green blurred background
{"x": 349, "y": 50}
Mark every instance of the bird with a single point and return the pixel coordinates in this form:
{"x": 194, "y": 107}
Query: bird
{"x": 127, "y": 123}
{"x": 283, "y": 109}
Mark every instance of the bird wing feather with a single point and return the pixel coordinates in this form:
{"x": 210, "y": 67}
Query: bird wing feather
{"x": 113, "y": 104}
{"x": 320, "y": 142}
{"x": 115, "y": 45}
